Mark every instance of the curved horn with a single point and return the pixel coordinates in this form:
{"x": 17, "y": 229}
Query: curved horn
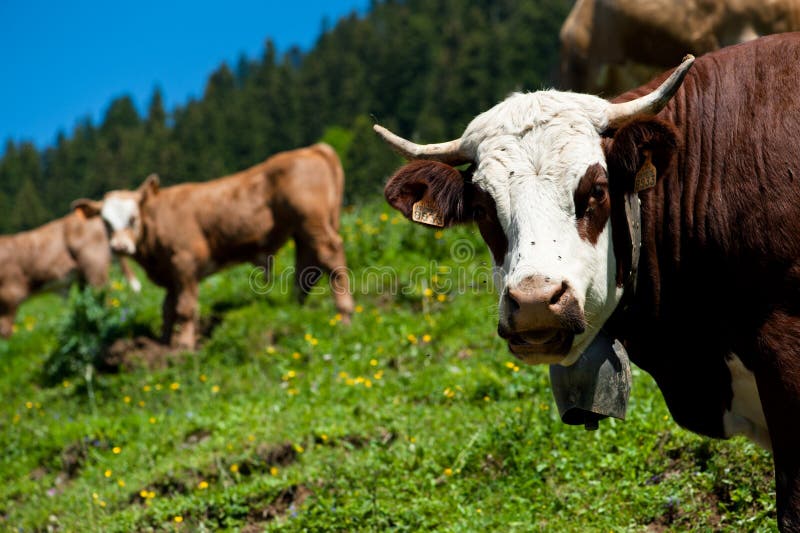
{"x": 448, "y": 152}
{"x": 652, "y": 103}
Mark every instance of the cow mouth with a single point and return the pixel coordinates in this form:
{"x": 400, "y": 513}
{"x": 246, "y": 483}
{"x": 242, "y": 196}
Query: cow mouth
{"x": 530, "y": 346}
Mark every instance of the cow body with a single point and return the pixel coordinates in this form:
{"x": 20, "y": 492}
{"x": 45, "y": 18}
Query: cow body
{"x": 612, "y": 45}
{"x": 43, "y": 258}
{"x": 714, "y": 310}
{"x": 184, "y": 233}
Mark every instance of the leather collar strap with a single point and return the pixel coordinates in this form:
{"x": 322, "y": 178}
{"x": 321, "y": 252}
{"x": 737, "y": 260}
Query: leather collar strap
{"x": 633, "y": 216}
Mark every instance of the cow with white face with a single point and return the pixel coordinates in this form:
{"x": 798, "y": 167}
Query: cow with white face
{"x": 669, "y": 218}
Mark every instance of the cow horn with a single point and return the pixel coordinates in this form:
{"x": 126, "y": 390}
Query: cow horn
{"x": 448, "y": 152}
{"x": 650, "y": 104}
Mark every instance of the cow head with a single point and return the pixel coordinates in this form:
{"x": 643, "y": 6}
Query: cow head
{"x": 539, "y": 188}
{"x": 122, "y": 214}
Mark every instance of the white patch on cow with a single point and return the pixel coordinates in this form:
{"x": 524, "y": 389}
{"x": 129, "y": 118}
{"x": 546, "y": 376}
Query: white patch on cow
{"x": 122, "y": 216}
{"x": 746, "y": 415}
{"x": 118, "y": 212}
{"x": 531, "y": 150}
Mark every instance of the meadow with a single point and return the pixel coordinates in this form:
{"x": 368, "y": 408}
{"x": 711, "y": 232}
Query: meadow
{"x": 413, "y": 417}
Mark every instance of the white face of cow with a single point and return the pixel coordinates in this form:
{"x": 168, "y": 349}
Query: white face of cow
{"x": 539, "y": 168}
{"x": 531, "y": 154}
{"x": 121, "y": 214}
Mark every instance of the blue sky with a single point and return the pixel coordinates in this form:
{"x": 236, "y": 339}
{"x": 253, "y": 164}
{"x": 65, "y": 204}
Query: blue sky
{"x": 64, "y": 60}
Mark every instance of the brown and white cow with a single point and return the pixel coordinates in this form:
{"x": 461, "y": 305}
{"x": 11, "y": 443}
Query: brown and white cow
{"x": 50, "y": 255}
{"x": 183, "y": 233}
{"x": 714, "y": 313}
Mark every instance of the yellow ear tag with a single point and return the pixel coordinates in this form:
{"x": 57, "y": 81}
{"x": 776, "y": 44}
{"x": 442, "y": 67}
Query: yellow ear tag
{"x": 427, "y": 213}
{"x": 646, "y": 177}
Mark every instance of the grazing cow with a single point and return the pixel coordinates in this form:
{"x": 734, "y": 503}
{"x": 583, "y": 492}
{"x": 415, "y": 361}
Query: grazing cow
{"x": 613, "y": 45}
{"x": 184, "y": 233}
{"x": 702, "y": 285}
{"x": 45, "y": 257}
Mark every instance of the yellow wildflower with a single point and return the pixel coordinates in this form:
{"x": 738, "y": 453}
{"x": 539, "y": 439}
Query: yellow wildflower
{"x": 298, "y": 448}
{"x": 178, "y": 519}
{"x": 29, "y": 405}
{"x": 448, "y": 471}
{"x": 146, "y": 388}
{"x": 373, "y": 362}
{"x": 143, "y": 493}
{"x": 441, "y": 297}
{"x": 426, "y": 338}
{"x": 428, "y": 292}
{"x": 296, "y": 355}
{"x": 175, "y": 385}
{"x": 117, "y": 450}
{"x": 121, "y": 482}
{"x": 384, "y": 217}
{"x": 359, "y": 309}
{"x": 203, "y": 378}
{"x": 439, "y": 234}
{"x": 273, "y": 471}
{"x": 215, "y": 389}
{"x": 107, "y": 473}
{"x": 127, "y": 399}
{"x": 412, "y": 338}
{"x": 203, "y": 485}
{"x": 378, "y": 375}
{"x": 152, "y": 420}
{"x": 234, "y": 468}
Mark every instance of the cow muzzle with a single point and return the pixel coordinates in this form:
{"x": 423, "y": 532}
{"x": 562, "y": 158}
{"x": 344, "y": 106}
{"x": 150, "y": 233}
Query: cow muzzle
{"x": 122, "y": 244}
{"x": 543, "y": 316}
{"x": 596, "y": 386}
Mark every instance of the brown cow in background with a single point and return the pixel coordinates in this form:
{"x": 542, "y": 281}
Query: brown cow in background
{"x": 610, "y": 46}
{"x": 183, "y": 233}
{"x": 48, "y": 256}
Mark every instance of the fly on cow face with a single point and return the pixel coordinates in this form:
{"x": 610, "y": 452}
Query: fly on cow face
{"x": 539, "y": 160}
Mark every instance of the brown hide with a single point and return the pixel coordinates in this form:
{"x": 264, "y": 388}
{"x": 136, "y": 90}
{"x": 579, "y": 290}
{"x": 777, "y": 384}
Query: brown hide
{"x": 720, "y": 265}
{"x": 192, "y": 230}
{"x": 35, "y": 260}
{"x": 611, "y": 45}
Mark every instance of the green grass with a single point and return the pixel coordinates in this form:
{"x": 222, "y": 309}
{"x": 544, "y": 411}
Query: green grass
{"x": 412, "y": 418}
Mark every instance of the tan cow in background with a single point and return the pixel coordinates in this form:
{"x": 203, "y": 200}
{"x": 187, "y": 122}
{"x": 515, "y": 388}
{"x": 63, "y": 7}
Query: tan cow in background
{"x": 610, "y": 46}
{"x": 183, "y": 233}
{"x": 49, "y": 256}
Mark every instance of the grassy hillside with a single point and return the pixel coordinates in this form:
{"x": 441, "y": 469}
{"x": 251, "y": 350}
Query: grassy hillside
{"x": 414, "y": 418}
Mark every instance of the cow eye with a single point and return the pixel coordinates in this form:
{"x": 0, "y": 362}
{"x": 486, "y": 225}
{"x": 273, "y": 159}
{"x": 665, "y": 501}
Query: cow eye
{"x": 132, "y": 221}
{"x": 599, "y": 192}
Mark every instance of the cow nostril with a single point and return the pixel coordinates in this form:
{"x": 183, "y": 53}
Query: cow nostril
{"x": 558, "y": 294}
{"x": 513, "y": 304}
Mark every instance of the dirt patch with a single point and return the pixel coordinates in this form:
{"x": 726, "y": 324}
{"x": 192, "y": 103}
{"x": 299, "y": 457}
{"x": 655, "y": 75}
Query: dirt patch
{"x": 139, "y": 352}
{"x": 286, "y": 502}
{"x": 353, "y": 441}
{"x": 195, "y": 437}
{"x": 73, "y": 458}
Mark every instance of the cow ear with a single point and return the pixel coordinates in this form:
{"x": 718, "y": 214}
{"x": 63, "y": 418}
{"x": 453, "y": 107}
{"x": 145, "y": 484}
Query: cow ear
{"x": 150, "y": 186}
{"x": 640, "y": 152}
{"x": 428, "y": 192}
{"x": 87, "y": 208}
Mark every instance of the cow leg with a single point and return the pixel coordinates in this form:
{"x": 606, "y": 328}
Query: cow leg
{"x": 7, "y": 323}
{"x": 777, "y": 377}
{"x": 307, "y": 270}
{"x": 323, "y": 246}
{"x": 168, "y": 315}
{"x": 186, "y": 317}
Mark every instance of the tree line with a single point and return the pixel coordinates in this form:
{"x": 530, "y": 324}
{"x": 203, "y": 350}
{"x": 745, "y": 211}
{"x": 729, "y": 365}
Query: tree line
{"x": 423, "y": 68}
